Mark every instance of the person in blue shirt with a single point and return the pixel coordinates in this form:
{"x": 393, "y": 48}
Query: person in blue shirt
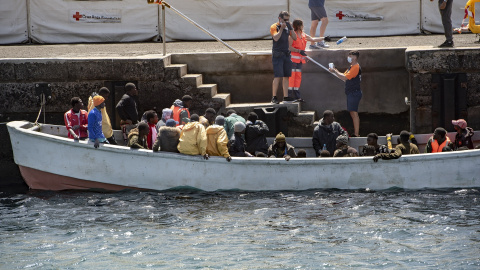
{"x": 95, "y": 133}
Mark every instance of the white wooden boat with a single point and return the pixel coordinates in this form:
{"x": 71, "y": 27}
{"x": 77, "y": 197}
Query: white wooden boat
{"x": 49, "y": 161}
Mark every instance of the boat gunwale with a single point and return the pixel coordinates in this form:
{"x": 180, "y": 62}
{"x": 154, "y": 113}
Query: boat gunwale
{"x": 255, "y": 160}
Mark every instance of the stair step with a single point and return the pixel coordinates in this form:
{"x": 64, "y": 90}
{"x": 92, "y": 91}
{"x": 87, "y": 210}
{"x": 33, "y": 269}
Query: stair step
{"x": 193, "y": 79}
{"x": 182, "y": 69}
{"x": 222, "y": 98}
{"x": 305, "y": 117}
{"x": 208, "y": 89}
{"x": 246, "y": 108}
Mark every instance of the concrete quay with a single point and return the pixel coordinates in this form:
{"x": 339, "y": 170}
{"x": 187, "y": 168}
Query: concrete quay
{"x": 393, "y": 69}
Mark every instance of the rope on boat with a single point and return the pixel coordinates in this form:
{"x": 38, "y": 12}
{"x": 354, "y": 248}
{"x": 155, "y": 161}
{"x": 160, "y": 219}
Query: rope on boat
{"x": 42, "y": 104}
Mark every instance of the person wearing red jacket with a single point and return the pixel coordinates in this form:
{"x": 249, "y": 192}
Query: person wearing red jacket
{"x": 76, "y": 120}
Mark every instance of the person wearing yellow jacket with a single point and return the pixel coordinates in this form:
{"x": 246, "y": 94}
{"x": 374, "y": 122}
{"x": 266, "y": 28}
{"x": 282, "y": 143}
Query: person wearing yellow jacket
{"x": 193, "y": 140}
{"x": 217, "y": 140}
{"x": 106, "y": 125}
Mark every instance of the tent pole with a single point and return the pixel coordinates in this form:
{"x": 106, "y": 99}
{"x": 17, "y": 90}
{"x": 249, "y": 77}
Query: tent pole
{"x": 163, "y": 31}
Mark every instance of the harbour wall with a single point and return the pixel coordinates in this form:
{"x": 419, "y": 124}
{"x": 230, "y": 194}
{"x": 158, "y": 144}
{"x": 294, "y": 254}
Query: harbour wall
{"x": 388, "y": 76}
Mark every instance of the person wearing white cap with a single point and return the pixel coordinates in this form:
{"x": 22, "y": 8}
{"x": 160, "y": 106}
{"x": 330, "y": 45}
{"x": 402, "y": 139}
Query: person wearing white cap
{"x": 464, "y": 135}
{"x": 237, "y": 146}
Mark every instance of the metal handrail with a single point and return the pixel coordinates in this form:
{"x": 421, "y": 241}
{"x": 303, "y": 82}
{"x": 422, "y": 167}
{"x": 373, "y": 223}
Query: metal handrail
{"x": 165, "y": 4}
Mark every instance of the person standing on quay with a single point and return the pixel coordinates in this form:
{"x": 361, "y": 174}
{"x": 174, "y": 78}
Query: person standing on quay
{"x": 318, "y": 13}
{"x": 282, "y": 64}
{"x": 352, "y": 78}
{"x": 445, "y": 8}
{"x": 297, "y": 47}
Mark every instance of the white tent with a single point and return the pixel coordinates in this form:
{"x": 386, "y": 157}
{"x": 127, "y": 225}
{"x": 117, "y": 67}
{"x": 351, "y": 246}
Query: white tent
{"x": 75, "y": 21}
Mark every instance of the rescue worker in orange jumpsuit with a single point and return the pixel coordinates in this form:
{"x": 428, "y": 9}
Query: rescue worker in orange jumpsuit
{"x": 297, "y": 47}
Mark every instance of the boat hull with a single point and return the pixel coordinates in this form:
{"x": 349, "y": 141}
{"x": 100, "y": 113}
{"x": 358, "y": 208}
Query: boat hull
{"x": 47, "y": 159}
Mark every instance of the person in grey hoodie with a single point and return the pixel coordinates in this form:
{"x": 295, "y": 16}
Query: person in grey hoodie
{"x": 326, "y": 133}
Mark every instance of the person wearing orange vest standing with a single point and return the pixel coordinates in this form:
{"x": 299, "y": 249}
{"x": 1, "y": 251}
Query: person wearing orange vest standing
{"x": 439, "y": 142}
{"x": 180, "y": 112}
{"x": 352, "y": 78}
{"x": 297, "y": 47}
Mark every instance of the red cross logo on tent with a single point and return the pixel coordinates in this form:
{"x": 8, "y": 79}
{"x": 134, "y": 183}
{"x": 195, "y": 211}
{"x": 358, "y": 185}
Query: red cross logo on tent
{"x": 77, "y": 16}
{"x": 340, "y": 15}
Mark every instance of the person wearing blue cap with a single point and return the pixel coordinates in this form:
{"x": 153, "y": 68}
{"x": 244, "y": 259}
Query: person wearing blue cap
{"x": 167, "y": 138}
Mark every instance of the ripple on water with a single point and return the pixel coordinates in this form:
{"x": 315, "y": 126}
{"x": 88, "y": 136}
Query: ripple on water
{"x": 241, "y": 230}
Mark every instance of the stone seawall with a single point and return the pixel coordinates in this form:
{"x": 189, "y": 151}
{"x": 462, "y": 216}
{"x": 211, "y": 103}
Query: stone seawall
{"x": 445, "y": 85}
{"x": 389, "y": 75}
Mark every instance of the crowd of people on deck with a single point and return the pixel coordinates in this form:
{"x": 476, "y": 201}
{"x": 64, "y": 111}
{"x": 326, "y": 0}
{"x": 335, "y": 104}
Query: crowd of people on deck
{"x": 232, "y": 135}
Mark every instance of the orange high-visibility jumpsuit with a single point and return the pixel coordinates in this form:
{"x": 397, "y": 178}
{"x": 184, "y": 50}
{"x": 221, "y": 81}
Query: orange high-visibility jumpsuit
{"x": 297, "y": 61}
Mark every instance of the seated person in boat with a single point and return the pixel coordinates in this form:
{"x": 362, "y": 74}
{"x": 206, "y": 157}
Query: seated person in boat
{"x": 301, "y": 153}
{"x": 168, "y": 138}
{"x": 255, "y": 134}
{"x": 95, "y": 133}
{"x": 237, "y": 146}
{"x": 127, "y": 109}
{"x": 464, "y": 135}
{"x": 76, "y": 120}
{"x": 325, "y": 153}
{"x": 166, "y": 114}
{"x": 217, "y": 140}
{"x": 137, "y": 138}
{"x": 404, "y": 148}
{"x": 369, "y": 151}
{"x": 439, "y": 142}
{"x": 208, "y": 118}
{"x": 343, "y": 150}
{"x": 231, "y": 119}
{"x": 326, "y": 133}
{"x": 281, "y": 149}
{"x": 193, "y": 138}
{"x": 152, "y": 120}
{"x": 180, "y": 111}
{"x": 372, "y": 140}
{"x": 106, "y": 124}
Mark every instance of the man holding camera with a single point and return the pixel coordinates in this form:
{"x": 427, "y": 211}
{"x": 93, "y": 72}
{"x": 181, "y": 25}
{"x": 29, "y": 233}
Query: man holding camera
{"x": 282, "y": 64}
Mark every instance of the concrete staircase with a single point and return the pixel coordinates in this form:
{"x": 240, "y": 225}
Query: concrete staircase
{"x": 306, "y": 118}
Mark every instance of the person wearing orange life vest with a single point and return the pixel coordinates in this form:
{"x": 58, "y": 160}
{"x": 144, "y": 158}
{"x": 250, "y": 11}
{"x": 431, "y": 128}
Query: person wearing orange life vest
{"x": 439, "y": 142}
{"x": 180, "y": 112}
{"x": 297, "y": 47}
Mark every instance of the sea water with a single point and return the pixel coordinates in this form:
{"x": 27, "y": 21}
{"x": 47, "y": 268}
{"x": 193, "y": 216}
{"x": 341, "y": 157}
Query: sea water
{"x": 190, "y": 229}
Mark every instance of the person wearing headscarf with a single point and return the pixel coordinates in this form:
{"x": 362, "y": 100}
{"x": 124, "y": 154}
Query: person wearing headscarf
{"x": 95, "y": 133}
{"x": 166, "y": 114}
{"x": 343, "y": 150}
{"x": 281, "y": 149}
{"x": 237, "y": 146}
{"x": 464, "y": 135}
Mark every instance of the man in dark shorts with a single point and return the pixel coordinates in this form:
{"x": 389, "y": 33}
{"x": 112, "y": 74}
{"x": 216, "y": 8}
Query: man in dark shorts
{"x": 318, "y": 13}
{"x": 282, "y": 64}
{"x": 352, "y": 78}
